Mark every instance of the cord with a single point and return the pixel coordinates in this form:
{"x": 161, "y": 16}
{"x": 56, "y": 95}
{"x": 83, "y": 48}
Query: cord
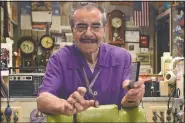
{"x": 160, "y": 117}
{"x": 171, "y": 96}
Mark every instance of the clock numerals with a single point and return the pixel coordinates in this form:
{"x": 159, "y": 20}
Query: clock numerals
{"x": 27, "y": 47}
{"x": 47, "y": 42}
{"x": 116, "y": 22}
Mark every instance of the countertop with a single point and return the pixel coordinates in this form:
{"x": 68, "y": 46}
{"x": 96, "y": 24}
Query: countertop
{"x": 28, "y": 99}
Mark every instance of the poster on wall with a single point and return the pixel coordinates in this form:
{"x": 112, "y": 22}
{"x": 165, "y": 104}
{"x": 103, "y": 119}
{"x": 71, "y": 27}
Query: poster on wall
{"x": 56, "y": 11}
{"x": 132, "y": 36}
{"x": 144, "y": 41}
{"x": 133, "y": 47}
{"x": 41, "y": 6}
{"x": 144, "y": 58}
{"x": 25, "y": 8}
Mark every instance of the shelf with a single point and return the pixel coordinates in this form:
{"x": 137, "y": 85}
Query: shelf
{"x": 116, "y": 43}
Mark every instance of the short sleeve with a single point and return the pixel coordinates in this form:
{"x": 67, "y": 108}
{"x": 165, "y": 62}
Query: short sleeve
{"x": 53, "y": 79}
{"x": 127, "y": 68}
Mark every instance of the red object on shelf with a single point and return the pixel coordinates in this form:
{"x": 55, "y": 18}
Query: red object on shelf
{"x": 182, "y": 22}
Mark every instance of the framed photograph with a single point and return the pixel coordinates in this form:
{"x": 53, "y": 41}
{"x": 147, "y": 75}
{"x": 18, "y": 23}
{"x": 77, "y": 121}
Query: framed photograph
{"x": 146, "y": 69}
{"x": 144, "y": 41}
{"x": 133, "y": 47}
{"x": 132, "y": 36}
{"x": 144, "y": 58}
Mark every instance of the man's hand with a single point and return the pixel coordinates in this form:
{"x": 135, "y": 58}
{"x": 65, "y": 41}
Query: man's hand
{"x": 77, "y": 100}
{"x": 133, "y": 95}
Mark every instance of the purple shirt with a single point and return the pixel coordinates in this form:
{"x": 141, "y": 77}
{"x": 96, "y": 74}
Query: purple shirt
{"x": 64, "y": 73}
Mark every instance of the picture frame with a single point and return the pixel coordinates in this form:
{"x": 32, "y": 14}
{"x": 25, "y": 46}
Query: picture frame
{"x": 144, "y": 41}
{"x": 132, "y": 36}
{"x": 133, "y": 47}
{"x": 144, "y": 58}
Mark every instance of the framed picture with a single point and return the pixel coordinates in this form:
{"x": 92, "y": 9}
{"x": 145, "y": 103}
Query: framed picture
{"x": 144, "y": 41}
{"x": 144, "y": 58}
{"x": 146, "y": 69}
{"x": 133, "y": 47}
{"x": 132, "y": 36}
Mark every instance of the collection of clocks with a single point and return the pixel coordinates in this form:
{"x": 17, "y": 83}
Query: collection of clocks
{"x": 116, "y": 27}
{"x": 29, "y": 50}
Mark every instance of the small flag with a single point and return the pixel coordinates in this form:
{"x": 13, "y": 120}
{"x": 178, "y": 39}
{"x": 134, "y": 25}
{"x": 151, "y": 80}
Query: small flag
{"x": 141, "y": 13}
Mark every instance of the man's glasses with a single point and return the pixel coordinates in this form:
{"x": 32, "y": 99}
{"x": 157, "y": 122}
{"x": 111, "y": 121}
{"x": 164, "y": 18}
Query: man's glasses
{"x": 82, "y": 27}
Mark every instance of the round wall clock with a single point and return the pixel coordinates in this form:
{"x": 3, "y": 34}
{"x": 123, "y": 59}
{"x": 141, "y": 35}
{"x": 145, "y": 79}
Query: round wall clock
{"x": 26, "y": 45}
{"x": 47, "y": 42}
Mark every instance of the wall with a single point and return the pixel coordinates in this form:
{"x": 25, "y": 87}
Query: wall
{"x": 125, "y": 8}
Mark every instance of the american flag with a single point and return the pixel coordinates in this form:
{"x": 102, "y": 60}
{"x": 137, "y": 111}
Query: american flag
{"x": 141, "y": 13}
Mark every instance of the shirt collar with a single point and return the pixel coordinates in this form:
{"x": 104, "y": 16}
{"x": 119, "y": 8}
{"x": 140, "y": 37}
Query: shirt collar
{"x": 105, "y": 58}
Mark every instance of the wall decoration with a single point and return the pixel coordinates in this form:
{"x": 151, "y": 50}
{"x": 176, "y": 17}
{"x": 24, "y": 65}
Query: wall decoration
{"x": 25, "y": 8}
{"x": 132, "y": 36}
{"x": 144, "y": 41}
{"x": 144, "y": 58}
{"x": 144, "y": 50}
{"x": 56, "y": 11}
{"x": 116, "y": 26}
{"x": 41, "y": 6}
{"x": 146, "y": 69}
{"x": 6, "y": 58}
{"x": 133, "y": 47}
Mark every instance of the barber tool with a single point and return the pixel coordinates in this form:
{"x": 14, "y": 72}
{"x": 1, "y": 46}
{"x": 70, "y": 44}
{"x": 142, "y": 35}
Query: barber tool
{"x": 133, "y": 76}
{"x": 89, "y": 86}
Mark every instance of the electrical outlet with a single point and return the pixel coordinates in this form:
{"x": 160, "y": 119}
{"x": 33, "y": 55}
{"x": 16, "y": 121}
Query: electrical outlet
{"x": 161, "y": 111}
{"x": 14, "y": 110}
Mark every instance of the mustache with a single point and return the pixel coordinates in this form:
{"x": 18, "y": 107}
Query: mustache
{"x": 87, "y": 40}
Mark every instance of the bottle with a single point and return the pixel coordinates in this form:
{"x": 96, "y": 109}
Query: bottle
{"x": 18, "y": 61}
{"x": 152, "y": 86}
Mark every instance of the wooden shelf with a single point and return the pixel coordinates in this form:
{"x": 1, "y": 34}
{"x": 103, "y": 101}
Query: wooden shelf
{"x": 116, "y": 43}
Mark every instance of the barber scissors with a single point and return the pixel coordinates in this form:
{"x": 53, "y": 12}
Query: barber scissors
{"x": 89, "y": 86}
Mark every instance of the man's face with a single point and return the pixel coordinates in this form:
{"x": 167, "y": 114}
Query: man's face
{"x": 88, "y": 31}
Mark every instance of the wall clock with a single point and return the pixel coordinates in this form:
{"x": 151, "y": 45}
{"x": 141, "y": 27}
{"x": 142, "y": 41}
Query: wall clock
{"x": 47, "y": 42}
{"x": 27, "y": 47}
{"x": 116, "y": 20}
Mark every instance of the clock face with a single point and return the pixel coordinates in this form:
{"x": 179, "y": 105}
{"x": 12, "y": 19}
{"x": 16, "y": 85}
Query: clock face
{"x": 47, "y": 42}
{"x": 116, "y": 22}
{"x": 27, "y": 47}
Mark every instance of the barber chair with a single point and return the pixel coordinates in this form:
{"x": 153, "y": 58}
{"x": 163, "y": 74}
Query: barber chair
{"x": 104, "y": 113}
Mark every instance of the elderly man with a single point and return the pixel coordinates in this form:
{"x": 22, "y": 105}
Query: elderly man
{"x": 90, "y": 65}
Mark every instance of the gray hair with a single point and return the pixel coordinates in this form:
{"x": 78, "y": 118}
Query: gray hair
{"x": 87, "y": 5}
